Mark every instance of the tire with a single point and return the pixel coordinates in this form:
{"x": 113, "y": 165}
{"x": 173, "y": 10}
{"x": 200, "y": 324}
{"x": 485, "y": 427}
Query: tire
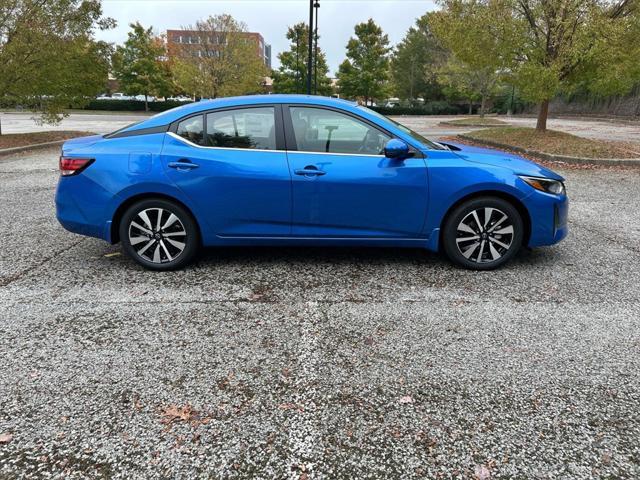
{"x": 477, "y": 242}
{"x": 166, "y": 243}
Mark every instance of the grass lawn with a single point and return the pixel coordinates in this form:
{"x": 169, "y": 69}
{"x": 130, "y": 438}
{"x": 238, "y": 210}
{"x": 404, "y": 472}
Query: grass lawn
{"x": 10, "y": 140}
{"x": 556, "y": 143}
{"x": 476, "y": 122}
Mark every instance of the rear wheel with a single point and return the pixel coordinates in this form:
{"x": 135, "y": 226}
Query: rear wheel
{"x": 159, "y": 234}
{"x": 483, "y": 233}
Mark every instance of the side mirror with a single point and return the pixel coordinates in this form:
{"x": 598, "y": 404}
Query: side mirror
{"x": 396, "y": 149}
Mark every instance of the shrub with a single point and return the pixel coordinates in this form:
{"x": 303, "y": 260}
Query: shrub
{"x": 429, "y": 108}
{"x": 131, "y": 105}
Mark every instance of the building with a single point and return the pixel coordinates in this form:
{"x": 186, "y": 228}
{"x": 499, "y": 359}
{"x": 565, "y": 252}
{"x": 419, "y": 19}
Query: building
{"x": 191, "y": 39}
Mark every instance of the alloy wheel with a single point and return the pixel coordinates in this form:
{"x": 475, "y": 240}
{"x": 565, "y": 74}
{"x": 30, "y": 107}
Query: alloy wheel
{"x": 484, "y": 235}
{"x": 157, "y": 235}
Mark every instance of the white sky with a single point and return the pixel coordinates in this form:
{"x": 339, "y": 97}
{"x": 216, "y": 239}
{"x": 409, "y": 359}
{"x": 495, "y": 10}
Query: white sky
{"x": 271, "y": 18}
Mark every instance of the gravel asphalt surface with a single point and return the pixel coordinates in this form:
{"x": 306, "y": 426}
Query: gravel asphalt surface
{"x": 319, "y": 363}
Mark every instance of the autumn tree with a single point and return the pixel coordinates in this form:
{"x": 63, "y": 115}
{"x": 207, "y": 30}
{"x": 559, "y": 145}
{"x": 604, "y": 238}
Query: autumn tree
{"x": 221, "y": 61}
{"x": 480, "y": 39}
{"x": 365, "y": 71}
{"x": 291, "y": 77}
{"x": 571, "y": 42}
{"x": 547, "y": 46}
{"x": 416, "y": 61}
{"x": 139, "y": 64}
{"x": 49, "y": 59}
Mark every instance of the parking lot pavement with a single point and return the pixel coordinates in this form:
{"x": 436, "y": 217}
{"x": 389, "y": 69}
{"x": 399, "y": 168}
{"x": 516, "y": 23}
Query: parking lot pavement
{"x": 588, "y": 128}
{"x": 105, "y": 122}
{"x": 319, "y": 363}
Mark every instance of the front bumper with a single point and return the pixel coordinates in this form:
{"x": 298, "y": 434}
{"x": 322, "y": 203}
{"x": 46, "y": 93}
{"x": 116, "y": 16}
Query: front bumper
{"x": 549, "y": 218}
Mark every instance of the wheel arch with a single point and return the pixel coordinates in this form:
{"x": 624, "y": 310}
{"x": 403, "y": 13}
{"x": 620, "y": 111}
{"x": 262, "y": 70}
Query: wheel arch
{"x": 119, "y": 213}
{"x": 517, "y": 203}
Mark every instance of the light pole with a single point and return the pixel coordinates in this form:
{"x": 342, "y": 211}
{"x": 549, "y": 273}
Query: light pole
{"x": 316, "y": 5}
{"x": 310, "y": 59}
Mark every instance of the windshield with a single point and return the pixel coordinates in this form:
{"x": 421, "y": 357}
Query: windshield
{"x": 415, "y": 135}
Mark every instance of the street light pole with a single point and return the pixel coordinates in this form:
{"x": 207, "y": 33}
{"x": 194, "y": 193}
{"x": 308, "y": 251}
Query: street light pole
{"x": 310, "y": 59}
{"x": 315, "y": 53}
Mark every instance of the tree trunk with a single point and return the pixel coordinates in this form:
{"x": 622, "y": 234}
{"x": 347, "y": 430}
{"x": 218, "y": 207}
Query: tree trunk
{"x": 543, "y": 113}
{"x": 482, "y": 104}
{"x": 146, "y": 103}
{"x": 470, "y": 107}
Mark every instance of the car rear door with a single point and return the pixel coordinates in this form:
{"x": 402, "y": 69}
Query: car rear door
{"x": 343, "y": 186}
{"x": 232, "y": 164}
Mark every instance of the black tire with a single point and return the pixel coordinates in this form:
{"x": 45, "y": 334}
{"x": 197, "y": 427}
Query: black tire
{"x": 471, "y": 240}
{"x": 165, "y": 253}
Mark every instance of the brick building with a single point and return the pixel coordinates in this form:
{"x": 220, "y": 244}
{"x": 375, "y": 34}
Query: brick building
{"x": 191, "y": 39}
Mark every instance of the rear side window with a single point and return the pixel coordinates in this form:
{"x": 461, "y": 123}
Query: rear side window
{"x": 192, "y": 129}
{"x": 242, "y": 128}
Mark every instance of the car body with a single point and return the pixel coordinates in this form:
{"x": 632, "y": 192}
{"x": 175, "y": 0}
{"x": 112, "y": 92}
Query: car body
{"x": 303, "y": 170}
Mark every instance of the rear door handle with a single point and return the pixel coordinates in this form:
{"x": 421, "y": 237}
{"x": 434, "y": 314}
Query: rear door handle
{"x": 309, "y": 171}
{"x": 183, "y": 164}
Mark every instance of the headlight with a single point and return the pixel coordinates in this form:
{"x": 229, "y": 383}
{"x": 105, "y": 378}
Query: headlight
{"x": 546, "y": 185}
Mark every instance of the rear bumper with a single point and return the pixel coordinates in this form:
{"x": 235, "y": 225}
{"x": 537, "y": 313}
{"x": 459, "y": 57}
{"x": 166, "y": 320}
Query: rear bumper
{"x": 80, "y": 206}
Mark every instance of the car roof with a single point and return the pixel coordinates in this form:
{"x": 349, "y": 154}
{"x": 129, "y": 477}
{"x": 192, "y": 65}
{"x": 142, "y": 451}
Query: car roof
{"x": 169, "y": 116}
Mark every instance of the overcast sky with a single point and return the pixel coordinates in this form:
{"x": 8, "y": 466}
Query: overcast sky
{"x": 271, "y": 18}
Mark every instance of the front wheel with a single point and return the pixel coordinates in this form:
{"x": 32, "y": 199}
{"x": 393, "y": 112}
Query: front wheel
{"x": 159, "y": 234}
{"x": 483, "y": 233}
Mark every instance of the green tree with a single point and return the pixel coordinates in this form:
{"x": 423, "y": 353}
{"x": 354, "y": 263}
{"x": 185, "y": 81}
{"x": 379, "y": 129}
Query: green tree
{"x": 365, "y": 71}
{"x": 139, "y": 67}
{"x": 547, "y": 46}
{"x": 291, "y": 77}
{"x": 480, "y": 42}
{"x": 415, "y": 63}
{"x": 222, "y": 61}
{"x": 567, "y": 43}
{"x": 48, "y": 57}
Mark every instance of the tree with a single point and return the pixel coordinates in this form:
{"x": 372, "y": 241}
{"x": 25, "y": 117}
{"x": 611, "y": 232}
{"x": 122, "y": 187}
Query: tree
{"x": 471, "y": 82}
{"x": 223, "y": 60}
{"x": 48, "y": 57}
{"x": 547, "y": 46}
{"x": 572, "y": 42}
{"x": 291, "y": 77}
{"x": 415, "y": 63}
{"x": 480, "y": 43}
{"x": 139, "y": 67}
{"x": 365, "y": 71}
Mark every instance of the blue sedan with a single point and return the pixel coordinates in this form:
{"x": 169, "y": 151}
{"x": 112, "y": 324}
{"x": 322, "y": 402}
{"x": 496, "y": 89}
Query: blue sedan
{"x": 301, "y": 170}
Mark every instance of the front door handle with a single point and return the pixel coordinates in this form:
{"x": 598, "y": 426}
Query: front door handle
{"x": 183, "y": 164}
{"x": 309, "y": 171}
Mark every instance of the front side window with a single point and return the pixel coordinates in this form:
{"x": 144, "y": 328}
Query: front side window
{"x": 321, "y": 130}
{"x": 192, "y": 129}
{"x": 242, "y": 128}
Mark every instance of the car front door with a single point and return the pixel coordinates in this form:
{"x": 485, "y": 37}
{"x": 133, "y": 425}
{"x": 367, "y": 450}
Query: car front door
{"x": 232, "y": 164}
{"x": 343, "y": 185}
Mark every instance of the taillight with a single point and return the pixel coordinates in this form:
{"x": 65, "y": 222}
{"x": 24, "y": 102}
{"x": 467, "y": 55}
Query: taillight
{"x": 72, "y": 166}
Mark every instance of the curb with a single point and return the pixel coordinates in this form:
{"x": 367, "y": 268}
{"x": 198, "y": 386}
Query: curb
{"x": 35, "y": 146}
{"x": 473, "y": 125}
{"x": 556, "y": 158}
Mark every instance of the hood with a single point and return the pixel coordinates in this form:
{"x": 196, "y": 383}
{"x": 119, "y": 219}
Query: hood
{"x": 80, "y": 142}
{"x": 498, "y": 158}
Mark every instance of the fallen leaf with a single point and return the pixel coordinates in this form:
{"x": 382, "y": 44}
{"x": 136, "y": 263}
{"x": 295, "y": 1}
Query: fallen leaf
{"x": 114, "y": 254}
{"x": 405, "y": 399}
{"x": 481, "y": 472}
{"x": 5, "y": 438}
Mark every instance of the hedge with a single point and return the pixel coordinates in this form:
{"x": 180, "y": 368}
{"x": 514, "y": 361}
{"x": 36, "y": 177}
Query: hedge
{"x": 429, "y": 108}
{"x": 131, "y": 105}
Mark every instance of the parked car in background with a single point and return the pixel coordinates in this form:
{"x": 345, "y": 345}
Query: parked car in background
{"x": 120, "y": 96}
{"x": 301, "y": 170}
